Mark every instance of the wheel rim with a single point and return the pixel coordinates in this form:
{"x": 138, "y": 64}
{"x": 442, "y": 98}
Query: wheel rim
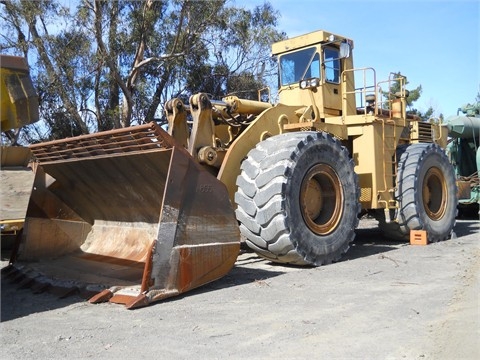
{"x": 434, "y": 193}
{"x": 321, "y": 199}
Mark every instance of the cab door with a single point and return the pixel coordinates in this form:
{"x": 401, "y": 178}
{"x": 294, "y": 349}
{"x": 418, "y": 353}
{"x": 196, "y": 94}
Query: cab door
{"x": 331, "y": 68}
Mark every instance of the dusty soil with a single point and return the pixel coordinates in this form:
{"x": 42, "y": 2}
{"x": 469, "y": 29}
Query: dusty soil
{"x": 385, "y": 300}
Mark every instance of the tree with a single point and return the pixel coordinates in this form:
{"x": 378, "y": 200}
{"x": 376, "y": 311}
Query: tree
{"x": 111, "y": 64}
{"x": 53, "y": 67}
{"x": 398, "y": 84}
{"x": 236, "y": 44}
{"x": 400, "y": 80}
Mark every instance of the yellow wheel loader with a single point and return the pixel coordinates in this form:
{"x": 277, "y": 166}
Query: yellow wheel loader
{"x": 138, "y": 214}
{"x": 18, "y": 107}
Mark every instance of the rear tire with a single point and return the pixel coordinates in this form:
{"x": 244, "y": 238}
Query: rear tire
{"x": 426, "y": 194}
{"x": 298, "y": 199}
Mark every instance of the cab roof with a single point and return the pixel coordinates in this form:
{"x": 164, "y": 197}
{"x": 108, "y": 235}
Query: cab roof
{"x": 301, "y": 41}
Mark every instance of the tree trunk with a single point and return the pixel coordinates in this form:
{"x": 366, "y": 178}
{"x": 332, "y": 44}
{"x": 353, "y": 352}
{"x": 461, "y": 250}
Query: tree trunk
{"x": 114, "y": 90}
{"x": 133, "y": 76}
{"x": 113, "y": 67}
{"x": 67, "y": 102}
{"x": 156, "y": 98}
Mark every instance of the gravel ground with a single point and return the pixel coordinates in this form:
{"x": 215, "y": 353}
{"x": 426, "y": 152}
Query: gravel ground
{"x": 385, "y": 300}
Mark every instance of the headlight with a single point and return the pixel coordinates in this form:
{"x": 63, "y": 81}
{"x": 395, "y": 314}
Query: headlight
{"x": 309, "y": 83}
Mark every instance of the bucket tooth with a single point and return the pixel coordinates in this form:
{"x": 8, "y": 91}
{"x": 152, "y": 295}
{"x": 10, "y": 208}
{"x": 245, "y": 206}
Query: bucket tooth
{"x": 28, "y": 280}
{"x": 7, "y": 270}
{"x": 103, "y": 296}
{"x": 139, "y": 301}
{"x": 40, "y": 285}
{"x": 62, "y": 292}
{"x": 121, "y": 299}
{"x": 11, "y": 273}
{"x": 16, "y": 277}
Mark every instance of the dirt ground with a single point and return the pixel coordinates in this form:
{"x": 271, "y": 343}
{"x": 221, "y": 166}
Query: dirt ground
{"x": 385, "y": 300}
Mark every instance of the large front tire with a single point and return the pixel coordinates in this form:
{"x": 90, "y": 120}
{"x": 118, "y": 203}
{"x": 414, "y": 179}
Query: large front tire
{"x": 298, "y": 199}
{"x": 426, "y": 194}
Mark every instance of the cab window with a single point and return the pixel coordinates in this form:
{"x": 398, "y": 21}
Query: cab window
{"x": 299, "y": 65}
{"x": 332, "y": 65}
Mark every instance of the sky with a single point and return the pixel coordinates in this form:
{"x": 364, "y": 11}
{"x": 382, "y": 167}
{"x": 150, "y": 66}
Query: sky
{"x": 434, "y": 43}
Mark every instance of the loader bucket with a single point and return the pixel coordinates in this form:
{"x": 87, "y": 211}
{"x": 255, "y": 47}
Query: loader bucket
{"x": 126, "y": 216}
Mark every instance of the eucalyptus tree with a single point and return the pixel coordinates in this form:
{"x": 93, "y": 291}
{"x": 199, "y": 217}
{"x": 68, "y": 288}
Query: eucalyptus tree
{"x": 238, "y": 58}
{"x": 111, "y": 64}
{"x": 57, "y": 61}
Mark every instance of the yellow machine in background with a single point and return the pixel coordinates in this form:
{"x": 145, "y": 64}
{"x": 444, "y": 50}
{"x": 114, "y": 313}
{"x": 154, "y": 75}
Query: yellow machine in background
{"x": 145, "y": 215}
{"x": 18, "y": 107}
{"x": 18, "y": 98}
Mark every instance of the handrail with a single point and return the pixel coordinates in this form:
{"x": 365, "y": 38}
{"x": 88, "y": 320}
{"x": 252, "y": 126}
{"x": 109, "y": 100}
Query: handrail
{"x": 366, "y": 89}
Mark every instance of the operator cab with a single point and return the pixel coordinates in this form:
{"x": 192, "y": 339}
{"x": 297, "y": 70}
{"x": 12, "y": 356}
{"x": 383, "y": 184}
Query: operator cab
{"x": 314, "y": 62}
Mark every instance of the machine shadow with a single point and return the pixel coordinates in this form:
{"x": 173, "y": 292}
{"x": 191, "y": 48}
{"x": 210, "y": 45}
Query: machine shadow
{"x": 239, "y": 275}
{"x": 466, "y": 226}
{"x": 17, "y": 303}
{"x": 369, "y": 240}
